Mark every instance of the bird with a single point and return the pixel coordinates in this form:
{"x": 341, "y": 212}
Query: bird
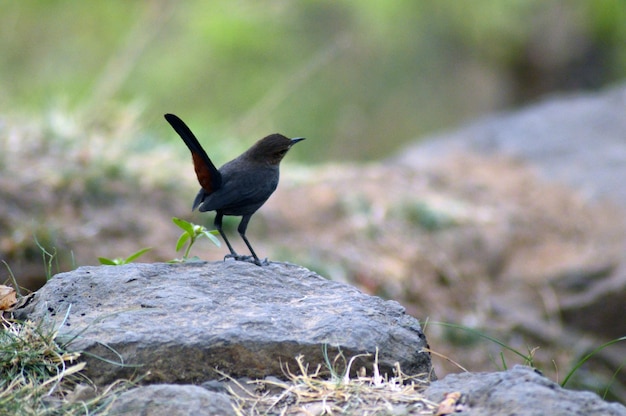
{"x": 241, "y": 186}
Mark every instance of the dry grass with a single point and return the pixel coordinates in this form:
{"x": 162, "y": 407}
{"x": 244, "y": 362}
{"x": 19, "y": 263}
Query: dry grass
{"x": 307, "y": 393}
{"x": 39, "y": 377}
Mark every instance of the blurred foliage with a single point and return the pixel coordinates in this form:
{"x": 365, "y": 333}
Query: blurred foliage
{"x": 357, "y": 78}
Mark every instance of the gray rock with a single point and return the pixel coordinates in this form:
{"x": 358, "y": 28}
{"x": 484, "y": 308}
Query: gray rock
{"x": 520, "y": 391}
{"x": 172, "y": 400}
{"x": 179, "y": 322}
{"x": 576, "y": 139}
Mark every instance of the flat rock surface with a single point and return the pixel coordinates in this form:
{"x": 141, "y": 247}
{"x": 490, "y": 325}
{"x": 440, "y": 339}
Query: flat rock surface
{"x": 179, "y": 322}
{"x": 172, "y": 400}
{"x": 520, "y": 391}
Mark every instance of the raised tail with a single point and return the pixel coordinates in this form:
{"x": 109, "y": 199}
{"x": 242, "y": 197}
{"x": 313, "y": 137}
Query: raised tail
{"x": 209, "y": 177}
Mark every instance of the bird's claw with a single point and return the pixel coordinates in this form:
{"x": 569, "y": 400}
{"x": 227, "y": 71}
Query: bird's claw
{"x": 238, "y": 257}
{"x": 249, "y": 259}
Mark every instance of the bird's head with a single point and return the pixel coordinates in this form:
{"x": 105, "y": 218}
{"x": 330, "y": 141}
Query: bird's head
{"x": 271, "y": 149}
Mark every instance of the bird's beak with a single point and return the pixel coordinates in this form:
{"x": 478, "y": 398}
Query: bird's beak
{"x": 296, "y": 140}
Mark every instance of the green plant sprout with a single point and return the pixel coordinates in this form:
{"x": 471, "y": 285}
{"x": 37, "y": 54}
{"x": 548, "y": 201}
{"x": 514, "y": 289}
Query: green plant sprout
{"x": 120, "y": 261}
{"x": 191, "y": 232}
{"x": 13, "y": 279}
{"x": 48, "y": 258}
{"x": 589, "y": 356}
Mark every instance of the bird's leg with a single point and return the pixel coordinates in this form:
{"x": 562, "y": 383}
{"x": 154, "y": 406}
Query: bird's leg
{"x": 218, "y": 226}
{"x": 242, "y": 232}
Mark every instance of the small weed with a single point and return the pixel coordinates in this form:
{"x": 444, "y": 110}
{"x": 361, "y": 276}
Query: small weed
{"x": 120, "y": 261}
{"x": 527, "y": 359}
{"x": 589, "y": 356}
{"x": 191, "y": 233}
{"x": 13, "y": 279}
{"x": 49, "y": 259}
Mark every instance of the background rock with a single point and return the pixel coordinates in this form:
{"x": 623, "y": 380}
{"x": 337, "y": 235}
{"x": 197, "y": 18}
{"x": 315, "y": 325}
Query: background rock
{"x": 180, "y": 322}
{"x": 520, "y": 391}
{"x": 578, "y": 139}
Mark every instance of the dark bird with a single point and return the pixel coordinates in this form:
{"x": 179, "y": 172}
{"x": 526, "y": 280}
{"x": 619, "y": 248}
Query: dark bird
{"x": 241, "y": 186}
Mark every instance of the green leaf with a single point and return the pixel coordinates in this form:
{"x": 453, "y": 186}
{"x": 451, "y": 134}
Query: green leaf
{"x": 212, "y": 237}
{"x": 185, "y": 225}
{"x": 137, "y": 254}
{"x": 175, "y": 261}
{"x": 181, "y": 241}
{"x": 106, "y": 261}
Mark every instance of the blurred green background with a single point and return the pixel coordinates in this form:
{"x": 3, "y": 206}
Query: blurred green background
{"x": 358, "y": 78}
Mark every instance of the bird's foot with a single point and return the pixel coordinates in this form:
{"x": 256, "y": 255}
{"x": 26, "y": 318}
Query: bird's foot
{"x": 264, "y": 262}
{"x": 238, "y": 257}
{"x": 249, "y": 259}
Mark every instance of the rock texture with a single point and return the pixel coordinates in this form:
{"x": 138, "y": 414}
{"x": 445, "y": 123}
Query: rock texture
{"x": 172, "y": 400}
{"x": 180, "y": 322}
{"x": 520, "y": 391}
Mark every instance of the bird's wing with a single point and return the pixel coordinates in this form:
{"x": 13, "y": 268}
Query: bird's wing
{"x": 209, "y": 177}
{"x": 241, "y": 194}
